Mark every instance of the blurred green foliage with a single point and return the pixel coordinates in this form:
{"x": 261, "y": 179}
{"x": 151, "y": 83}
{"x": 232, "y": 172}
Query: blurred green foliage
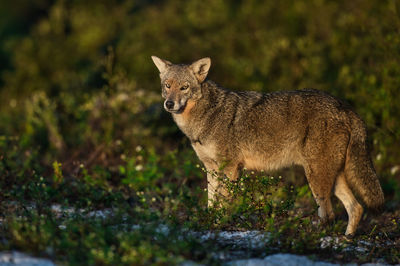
{"x": 79, "y": 72}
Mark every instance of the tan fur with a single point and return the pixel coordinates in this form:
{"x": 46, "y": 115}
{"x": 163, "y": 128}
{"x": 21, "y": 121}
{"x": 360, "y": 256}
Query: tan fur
{"x": 181, "y": 119}
{"x": 353, "y": 208}
{"x": 280, "y": 158}
{"x": 207, "y": 153}
{"x": 231, "y": 130}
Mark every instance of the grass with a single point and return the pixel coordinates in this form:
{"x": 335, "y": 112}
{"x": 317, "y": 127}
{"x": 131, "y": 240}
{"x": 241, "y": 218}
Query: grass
{"x": 146, "y": 192}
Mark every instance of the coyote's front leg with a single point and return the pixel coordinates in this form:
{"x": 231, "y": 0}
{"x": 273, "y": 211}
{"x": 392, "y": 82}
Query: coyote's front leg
{"x": 217, "y": 190}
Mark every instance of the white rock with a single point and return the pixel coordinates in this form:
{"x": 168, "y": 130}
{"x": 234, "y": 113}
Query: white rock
{"x": 280, "y": 260}
{"x": 8, "y": 258}
{"x": 248, "y": 239}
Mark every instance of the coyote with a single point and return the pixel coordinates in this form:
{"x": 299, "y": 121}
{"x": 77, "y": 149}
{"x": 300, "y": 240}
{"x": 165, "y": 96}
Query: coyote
{"x": 269, "y": 131}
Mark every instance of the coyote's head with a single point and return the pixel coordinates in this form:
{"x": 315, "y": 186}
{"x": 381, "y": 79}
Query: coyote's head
{"x": 180, "y": 83}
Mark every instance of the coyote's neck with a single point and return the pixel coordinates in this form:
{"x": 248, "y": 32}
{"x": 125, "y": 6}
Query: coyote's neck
{"x": 182, "y": 119}
{"x": 196, "y": 112}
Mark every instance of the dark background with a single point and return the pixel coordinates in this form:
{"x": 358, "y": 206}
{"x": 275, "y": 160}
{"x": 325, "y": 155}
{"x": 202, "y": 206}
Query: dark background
{"x": 77, "y": 84}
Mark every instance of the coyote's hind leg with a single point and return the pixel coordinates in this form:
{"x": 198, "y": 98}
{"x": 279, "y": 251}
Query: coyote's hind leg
{"x": 324, "y": 157}
{"x": 322, "y": 193}
{"x": 353, "y": 208}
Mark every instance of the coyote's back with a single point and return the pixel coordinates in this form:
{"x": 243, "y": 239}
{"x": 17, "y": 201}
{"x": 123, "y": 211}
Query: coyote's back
{"x": 270, "y": 131}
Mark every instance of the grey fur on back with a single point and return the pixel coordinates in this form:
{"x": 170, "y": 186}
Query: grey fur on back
{"x": 286, "y": 120}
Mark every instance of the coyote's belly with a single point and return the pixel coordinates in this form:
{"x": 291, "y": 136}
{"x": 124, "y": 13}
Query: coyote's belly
{"x": 270, "y": 160}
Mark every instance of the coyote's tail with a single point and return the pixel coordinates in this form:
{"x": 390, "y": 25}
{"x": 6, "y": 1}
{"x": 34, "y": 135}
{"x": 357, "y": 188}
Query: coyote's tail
{"x": 359, "y": 169}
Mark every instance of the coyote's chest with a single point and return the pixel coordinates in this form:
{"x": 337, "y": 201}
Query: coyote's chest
{"x": 207, "y": 153}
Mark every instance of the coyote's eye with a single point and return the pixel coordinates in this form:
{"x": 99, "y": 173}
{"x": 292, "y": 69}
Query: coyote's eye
{"x": 184, "y": 87}
{"x": 167, "y": 85}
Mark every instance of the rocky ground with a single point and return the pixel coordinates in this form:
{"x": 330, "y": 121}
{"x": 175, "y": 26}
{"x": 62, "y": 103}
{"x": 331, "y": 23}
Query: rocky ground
{"x": 9, "y": 258}
{"x": 234, "y": 247}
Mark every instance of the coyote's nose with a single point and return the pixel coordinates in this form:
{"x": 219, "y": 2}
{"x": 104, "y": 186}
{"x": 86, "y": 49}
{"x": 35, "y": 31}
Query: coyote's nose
{"x": 169, "y": 104}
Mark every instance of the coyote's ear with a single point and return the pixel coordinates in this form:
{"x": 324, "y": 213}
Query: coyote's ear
{"x": 200, "y": 68}
{"x": 161, "y": 64}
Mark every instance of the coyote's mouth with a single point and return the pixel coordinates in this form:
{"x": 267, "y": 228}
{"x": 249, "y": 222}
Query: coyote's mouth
{"x": 179, "y": 110}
